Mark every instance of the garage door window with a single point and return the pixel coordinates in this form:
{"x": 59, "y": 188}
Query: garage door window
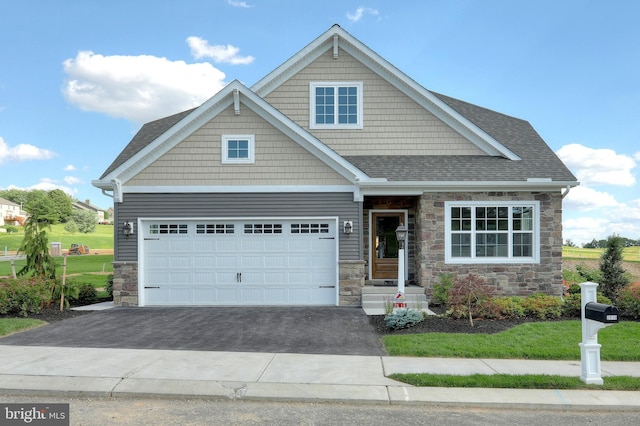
{"x": 263, "y": 228}
{"x": 168, "y": 228}
{"x": 309, "y": 228}
{"x": 215, "y": 228}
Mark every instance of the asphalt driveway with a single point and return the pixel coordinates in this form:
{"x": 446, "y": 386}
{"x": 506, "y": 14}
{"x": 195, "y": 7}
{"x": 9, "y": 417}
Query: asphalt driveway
{"x": 309, "y": 330}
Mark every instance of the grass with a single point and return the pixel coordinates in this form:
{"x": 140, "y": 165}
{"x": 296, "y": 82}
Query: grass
{"x": 102, "y": 238}
{"x": 75, "y": 264}
{"x": 629, "y": 254}
{"x": 13, "y": 325}
{"x": 525, "y": 381}
{"x": 538, "y": 340}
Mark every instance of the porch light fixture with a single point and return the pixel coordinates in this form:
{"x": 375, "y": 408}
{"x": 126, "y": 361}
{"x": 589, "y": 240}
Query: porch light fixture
{"x": 348, "y": 227}
{"x": 127, "y": 229}
{"x": 401, "y": 235}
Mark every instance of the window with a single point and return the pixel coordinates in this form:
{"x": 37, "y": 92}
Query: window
{"x": 168, "y": 228}
{"x": 214, "y": 228}
{"x": 238, "y": 149}
{"x": 263, "y": 228}
{"x": 335, "y": 106}
{"x": 498, "y": 232}
{"x": 309, "y": 228}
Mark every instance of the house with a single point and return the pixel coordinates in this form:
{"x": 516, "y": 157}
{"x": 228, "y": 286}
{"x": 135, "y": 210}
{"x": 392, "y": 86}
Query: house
{"x": 86, "y": 205}
{"x": 11, "y": 213}
{"x": 289, "y": 192}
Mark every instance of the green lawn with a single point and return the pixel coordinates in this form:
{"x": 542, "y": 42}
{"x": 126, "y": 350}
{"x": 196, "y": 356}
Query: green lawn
{"x": 75, "y": 264}
{"x": 102, "y": 238}
{"x": 13, "y": 325}
{"x": 538, "y": 340}
{"x": 630, "y": 254}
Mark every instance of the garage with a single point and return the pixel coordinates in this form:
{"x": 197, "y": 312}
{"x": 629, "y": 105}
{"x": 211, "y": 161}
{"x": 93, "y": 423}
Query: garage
{"x": 249, "y": 261}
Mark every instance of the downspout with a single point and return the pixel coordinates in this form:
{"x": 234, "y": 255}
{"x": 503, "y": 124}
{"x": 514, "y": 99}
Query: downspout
{"x": 566, "y": 192}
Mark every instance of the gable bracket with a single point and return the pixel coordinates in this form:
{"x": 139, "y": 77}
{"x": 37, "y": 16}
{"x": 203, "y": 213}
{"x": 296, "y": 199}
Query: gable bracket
{"x": 236, "y": 101}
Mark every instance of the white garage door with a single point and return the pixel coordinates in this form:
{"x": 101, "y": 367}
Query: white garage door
{"x": 238, "y": 262}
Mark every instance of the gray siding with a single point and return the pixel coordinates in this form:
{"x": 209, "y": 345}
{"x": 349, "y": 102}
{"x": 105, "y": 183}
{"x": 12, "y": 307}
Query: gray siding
{"x": 205, "y": 205}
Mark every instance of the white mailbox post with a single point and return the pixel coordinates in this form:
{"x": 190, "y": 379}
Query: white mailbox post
{"x": 595, "y": 316}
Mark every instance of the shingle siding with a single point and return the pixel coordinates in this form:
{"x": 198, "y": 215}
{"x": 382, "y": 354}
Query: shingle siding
{"x": 197, "y": 159}
{"x": 390, "y": 117}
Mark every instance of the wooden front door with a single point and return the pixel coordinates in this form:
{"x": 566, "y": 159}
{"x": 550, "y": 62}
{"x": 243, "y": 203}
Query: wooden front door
{"x": 384, "y": 250}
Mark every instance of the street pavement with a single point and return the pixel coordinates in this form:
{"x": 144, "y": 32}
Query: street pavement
{"x": 280, "y": 376}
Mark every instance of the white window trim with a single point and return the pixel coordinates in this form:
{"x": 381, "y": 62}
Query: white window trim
{"x": 492, "y": 260}
{"x": 225, "y": 149}
{"x": 335, "y": 84}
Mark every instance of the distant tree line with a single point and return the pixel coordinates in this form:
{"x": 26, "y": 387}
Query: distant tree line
{"x": 626, "y": 242}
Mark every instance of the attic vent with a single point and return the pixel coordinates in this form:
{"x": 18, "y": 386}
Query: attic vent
{"x": 335, "y": 46}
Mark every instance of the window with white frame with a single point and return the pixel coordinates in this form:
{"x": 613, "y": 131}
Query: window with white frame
{"x": 335, "y": 105}
{"x": 238, "y": 149}
{"x": 492, "y": 232}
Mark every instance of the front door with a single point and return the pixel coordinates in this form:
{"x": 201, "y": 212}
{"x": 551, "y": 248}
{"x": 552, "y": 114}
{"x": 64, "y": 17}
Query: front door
{"x": 384, "y": 244}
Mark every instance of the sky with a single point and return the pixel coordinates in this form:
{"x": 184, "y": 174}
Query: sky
{"x": 78, "y": 78}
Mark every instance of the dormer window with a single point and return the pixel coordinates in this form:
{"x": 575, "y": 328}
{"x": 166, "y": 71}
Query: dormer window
{"x": 335, "y": 105}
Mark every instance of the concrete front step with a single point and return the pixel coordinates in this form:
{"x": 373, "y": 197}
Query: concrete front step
{"x": 376, "y": 298}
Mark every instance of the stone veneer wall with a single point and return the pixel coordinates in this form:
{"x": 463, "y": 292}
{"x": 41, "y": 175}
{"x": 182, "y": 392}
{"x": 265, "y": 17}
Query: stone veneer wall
{"x": 351, "y": 281}
{"x": 505, "y": 279}
{"x": 125, "y": 283}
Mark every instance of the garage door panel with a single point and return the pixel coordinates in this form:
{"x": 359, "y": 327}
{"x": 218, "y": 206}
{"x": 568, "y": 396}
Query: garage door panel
{"x": 252, "y": 262}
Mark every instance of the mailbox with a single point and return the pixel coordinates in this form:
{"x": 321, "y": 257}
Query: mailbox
{"x": 600, "y": 312}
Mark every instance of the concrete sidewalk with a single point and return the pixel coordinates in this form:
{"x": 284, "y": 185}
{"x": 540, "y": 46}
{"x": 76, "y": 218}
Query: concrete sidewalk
{"x": 63, "y": 371}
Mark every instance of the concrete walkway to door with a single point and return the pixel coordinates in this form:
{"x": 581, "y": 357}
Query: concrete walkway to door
{"x": 308, "y": 330}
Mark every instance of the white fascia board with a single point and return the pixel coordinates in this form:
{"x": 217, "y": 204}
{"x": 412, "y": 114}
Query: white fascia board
{"x": 416, "y": 188}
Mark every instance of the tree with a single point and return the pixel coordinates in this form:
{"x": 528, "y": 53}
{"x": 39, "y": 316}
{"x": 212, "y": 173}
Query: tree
{"x": 613, "y": 275}
{"x": 84, "y": 220}
{"x": 39, "y": 204}
{"x": 35, "y": 245}
{"x": 62, "y": 204}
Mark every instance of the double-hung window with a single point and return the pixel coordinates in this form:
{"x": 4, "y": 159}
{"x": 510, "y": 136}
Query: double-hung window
{"x": 238, "y": 149}
{"x": 492, "y": 232}
{"x": 335, "y": 105}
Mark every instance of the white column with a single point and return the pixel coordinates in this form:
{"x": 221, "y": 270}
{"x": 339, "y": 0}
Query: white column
{"x": 591, "y": 372}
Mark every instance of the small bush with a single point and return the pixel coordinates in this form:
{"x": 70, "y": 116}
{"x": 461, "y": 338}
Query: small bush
{"x": 23, "y": 296}
{"x": 543, "y": 306}
{"x": 109, "y": 287}
{"x": 572, "y": 304}
{"x": 501, "y": 308}
{"x": 629, "y": 302}
{"x": 403, "y": 318}
{"x": 466, "y": 296}
{"x": 87, "y": 295}
{"x": 441, "y": 289}
{"x": 11, "y": 229}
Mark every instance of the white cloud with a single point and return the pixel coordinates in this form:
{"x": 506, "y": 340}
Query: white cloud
{"x": 583, "y": 198}
{"x": 242, "y": 4}
{"x": 138, "y": 88}
{"x": 598, "y": 166}
{"x": 69, "y": 168}
{"x": 23, "y": 152}
{"x": 200, "y": 48}
{"x": 72, "y": 180}
{"x": 359, "y": 13}
{"x": 46, "y": 184}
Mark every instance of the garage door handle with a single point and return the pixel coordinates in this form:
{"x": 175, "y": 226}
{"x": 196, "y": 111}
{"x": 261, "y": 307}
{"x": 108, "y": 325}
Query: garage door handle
{"x": 239, "y": 277}
{"x": 152, "y": 287}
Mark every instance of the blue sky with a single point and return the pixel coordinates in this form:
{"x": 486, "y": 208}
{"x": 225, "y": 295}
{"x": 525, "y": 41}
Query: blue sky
{"x": 79, "y": 78}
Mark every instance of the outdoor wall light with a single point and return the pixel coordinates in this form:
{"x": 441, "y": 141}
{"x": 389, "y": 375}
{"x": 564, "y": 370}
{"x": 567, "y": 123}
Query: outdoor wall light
{"x": 348, "y": 227}
{"x": 401, "y": 235}
{"x": 127, "y": 228}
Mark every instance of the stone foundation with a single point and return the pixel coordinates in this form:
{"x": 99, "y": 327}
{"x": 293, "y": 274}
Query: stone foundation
{"x": 351, "y": 281}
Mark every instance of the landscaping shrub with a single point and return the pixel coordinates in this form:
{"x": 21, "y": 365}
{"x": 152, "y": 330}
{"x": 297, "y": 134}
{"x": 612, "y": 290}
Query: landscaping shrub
{"x": 403, "y": 318}
{"x": 11, "y": 229}
{"x": 501, "y": 308}
{"x": 441, "y": 289}
{"x": 466, "y": 296}
{"x": 543, "y": 306}
{"x": 109, "y": 287}
{"x": 629, "y": 302}
{"x": 572, "y": 304}
{"x": 87, "y": 295}
{"x": 23, "y": 296}
{"x": 614, "y": 278}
